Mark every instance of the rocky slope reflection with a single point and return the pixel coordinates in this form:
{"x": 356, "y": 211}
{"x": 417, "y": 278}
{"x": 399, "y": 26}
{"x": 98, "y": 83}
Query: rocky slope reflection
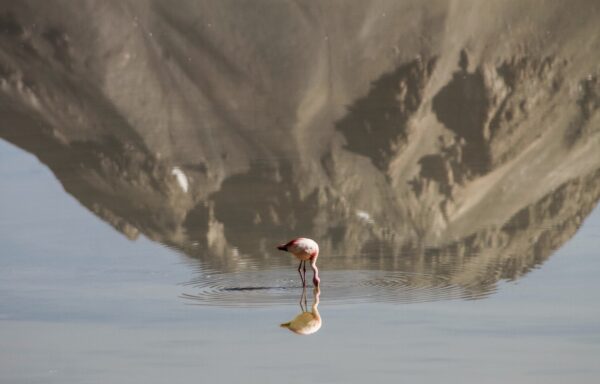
{"x": 457, "y": 140}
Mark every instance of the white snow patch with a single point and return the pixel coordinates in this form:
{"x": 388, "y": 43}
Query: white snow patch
{"x": 364, "y": 216}
{"x": 181, "y": 178}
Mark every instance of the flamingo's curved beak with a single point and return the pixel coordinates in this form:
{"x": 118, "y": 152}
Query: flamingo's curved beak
{"x": 282, "y": 247}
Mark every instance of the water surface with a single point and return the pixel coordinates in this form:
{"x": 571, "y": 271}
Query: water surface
{"x": 81, "y": 303}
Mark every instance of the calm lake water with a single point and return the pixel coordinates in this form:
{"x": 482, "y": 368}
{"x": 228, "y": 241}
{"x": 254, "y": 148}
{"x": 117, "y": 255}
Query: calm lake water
{"x": 80, "y": 303}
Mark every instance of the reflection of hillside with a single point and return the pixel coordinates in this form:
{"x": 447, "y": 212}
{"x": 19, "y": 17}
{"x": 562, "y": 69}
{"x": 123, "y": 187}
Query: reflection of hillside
{"x": 462, "y": 161}
{"x": 525, "y": 241}
{"x": 375, "y": 125}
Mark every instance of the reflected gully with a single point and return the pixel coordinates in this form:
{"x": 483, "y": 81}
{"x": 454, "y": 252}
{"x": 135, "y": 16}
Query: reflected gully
{"x": 307, "y": 322}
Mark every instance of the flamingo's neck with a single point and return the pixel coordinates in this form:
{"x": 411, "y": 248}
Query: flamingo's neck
{"x": 316, "y": 279}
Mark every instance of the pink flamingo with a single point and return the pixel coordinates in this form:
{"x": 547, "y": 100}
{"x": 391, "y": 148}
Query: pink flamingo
{"x": 304, "y": 249}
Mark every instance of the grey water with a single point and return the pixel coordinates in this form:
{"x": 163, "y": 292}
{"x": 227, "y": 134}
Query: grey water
{"x": 81, "y": 303}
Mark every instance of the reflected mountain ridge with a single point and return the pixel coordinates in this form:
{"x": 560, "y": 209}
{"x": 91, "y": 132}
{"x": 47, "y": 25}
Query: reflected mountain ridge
{"x": 435, "y": 173}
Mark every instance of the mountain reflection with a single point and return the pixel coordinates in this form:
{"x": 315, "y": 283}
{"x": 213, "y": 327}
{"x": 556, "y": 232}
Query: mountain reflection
{"x": 449, "y": 170}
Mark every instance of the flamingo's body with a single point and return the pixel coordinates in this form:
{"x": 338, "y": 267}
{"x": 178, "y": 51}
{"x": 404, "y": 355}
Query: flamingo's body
{"x": 304, "y": 249}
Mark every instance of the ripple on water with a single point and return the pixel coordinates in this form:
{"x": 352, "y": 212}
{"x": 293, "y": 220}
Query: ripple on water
{"x": 282, "y": 286}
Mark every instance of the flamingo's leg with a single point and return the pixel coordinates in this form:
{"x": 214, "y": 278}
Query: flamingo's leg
{"x": 303, "y": 300}
{"x": 303, "y": 278}
{"x": 304, "y": 269}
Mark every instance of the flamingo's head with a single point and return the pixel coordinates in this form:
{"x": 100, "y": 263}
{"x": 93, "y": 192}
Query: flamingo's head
{"x": 316, "y": 281}
{"x": 286, "y": 246}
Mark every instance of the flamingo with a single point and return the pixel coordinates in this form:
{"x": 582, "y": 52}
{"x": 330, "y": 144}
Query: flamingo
{"x": 304, "y": 249}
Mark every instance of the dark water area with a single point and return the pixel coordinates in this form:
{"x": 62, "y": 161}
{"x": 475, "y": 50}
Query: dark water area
{"x": 444, "y": 155}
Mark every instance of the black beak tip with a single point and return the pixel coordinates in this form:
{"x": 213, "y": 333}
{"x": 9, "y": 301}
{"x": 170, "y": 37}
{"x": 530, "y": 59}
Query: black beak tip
{"x": 281, "y": 247}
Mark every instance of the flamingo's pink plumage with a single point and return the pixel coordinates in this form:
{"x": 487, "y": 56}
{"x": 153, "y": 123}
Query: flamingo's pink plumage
{"x": 304, "y": 249}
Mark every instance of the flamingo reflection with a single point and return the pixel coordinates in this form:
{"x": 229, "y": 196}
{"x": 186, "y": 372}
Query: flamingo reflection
{"x": 306, "y": 322}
